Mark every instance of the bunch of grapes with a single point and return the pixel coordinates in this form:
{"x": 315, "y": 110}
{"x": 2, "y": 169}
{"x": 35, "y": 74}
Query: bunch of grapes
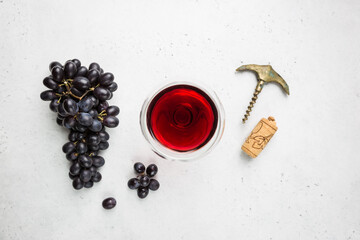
{"x": 144, "y": 181}
{"x": 79, "y": 96}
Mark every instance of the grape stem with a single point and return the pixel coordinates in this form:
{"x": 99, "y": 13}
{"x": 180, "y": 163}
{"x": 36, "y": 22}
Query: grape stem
{"x": 67, "y": 84}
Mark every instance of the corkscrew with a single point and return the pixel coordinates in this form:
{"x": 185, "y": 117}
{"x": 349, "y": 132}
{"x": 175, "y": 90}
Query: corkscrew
{"x": 264, "y": 74}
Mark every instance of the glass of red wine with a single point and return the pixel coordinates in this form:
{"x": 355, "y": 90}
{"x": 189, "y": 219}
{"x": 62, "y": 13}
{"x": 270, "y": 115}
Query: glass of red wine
{"x": 182, "y": 121}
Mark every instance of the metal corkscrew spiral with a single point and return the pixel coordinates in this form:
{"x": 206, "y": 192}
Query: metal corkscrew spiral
{"x": 265, "y": 74}
{"x": 251, "y": 105}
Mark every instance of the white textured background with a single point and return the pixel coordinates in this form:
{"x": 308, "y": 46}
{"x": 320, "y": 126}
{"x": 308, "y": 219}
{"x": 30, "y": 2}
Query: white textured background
{"x": 304, "y": 185}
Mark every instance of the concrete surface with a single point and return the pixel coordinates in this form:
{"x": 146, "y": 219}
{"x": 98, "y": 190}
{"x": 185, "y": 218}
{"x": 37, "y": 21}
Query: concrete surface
{"x": 304, "y": 185}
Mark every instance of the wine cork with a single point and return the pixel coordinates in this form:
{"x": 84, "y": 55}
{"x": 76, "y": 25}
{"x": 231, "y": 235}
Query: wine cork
{"x": 259, "y": 137}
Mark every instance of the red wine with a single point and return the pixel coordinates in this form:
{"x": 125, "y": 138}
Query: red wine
{"x": 182, "y": 118}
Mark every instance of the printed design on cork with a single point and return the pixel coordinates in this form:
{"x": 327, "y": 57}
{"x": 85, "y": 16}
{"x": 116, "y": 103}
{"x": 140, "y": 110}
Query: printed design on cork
{"x": 259, "y": 141}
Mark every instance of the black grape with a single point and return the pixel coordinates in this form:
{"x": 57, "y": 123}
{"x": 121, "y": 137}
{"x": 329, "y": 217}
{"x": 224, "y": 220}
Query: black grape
{"x": 50, "y": 83}
{"x": 93, "y": 139}
{"x": 57, "y": 73}
{"x": 96, "y": 126}
{"x": 81, "y": 147}
{"x": 98, "y": 161}
{"x": 102, "y": 106}
{"x": 53, "y": 64}
{"x": 102, "y": 93}
{"x": 81, "y": 83}
{"x": 113, "y": 111}
{"x": 111, "y": 122}
{"x": 69, "y": 147}
{"x": 85, "y": 119}
{"x": 93, "y": 76}
{"x": 86, "y": 104}
{"x": 70, "y": 106}
{"x": 75, "y": 169}
{"x": 77, "y": 63}
{"x": 54, "y": 104}
{"x": 48, "y": 95}
{"x": 106, "y": 79}
{"x": 70, "y": 70}
{"x": 95, "y": 66}
{"x": 112, "y": 87}
{"x": 103, "y": 145}
{"x": 77, "y": 183}
{"x": 82, "y": 71}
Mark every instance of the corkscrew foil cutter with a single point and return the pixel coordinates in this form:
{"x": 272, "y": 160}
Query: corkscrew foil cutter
{"x": 264, "y": 74}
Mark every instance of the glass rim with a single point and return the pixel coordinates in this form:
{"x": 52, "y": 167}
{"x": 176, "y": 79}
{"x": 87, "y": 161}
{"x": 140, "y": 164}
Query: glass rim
{"x": 170, "y": 154}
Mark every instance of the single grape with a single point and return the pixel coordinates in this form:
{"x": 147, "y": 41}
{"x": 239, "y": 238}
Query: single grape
{"x": 85, "y": 161}
{"x": 97, "y": 177}
{"x": 94, "y": 114}
{"x": 76, "y": 92}
{"x": 94, "y": 99}
{"x": 61, "y": 89}
{"x": 77, "y": 63}
{"x": 102, "y": 106}
{"x": 57, "y": 73}
{"x": 50, "y": 83}
{"x": 154, "y": 185}
{"x": 98, "y": 161}
{"x": 93, "y": 76}
{"x": 81, "y": 83}
{"x": 144, "y": 181}
{"x": 111, "y": 95}
{"x": 93, "y": 139}
{"x": 151, "y": 170}
{"x": 61, "y": 111}
{"x": 69, "y": 147}
{"x": 72, "y": 156}
{"x": 77, "y": 183}
{"x": 69, "y": 122}
{"x": 102, "y": 93}
{"x": 81, "y": 147}
{"x": 93, "y": 170}
{"x": 103, "y": 145}
{"x": 95, "y": 66}
{"x": 111, "y": 122}
{"x": 59, "y": 121}
{"x": 93, "y": 147}
{"x": 72, "y": 136}
{"x": 104, "y": 136}
{"x": 75, "y": 169}
{"x": 134, "y": 183}
{"x": 48, "y": 95}
{"x": 139, "y": 167}
{"x": 96, "y": 126}
{"x": 85, "y": 119}
{"x": 72, "y": 177}
{"x": 82, "y": 71}
{"x": 109, "y": 203}
{"x": 89, "y": 184}
{"x": 80, "y": 136}
{"x": 70, "y": 106}
{"x": 85, "y": 175}
{"x": 54, "y": 104}
{"x": 53, "y": 64}
{"x": 112, "y": 87}
{"x": 70, "y": 69}
{"x": 106, "y": 79}
{"x": 80, "y": 128}
{"x": 113, "y": 111}
{"x": 142, "y": 192}
{"x": 86, "y": 104}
